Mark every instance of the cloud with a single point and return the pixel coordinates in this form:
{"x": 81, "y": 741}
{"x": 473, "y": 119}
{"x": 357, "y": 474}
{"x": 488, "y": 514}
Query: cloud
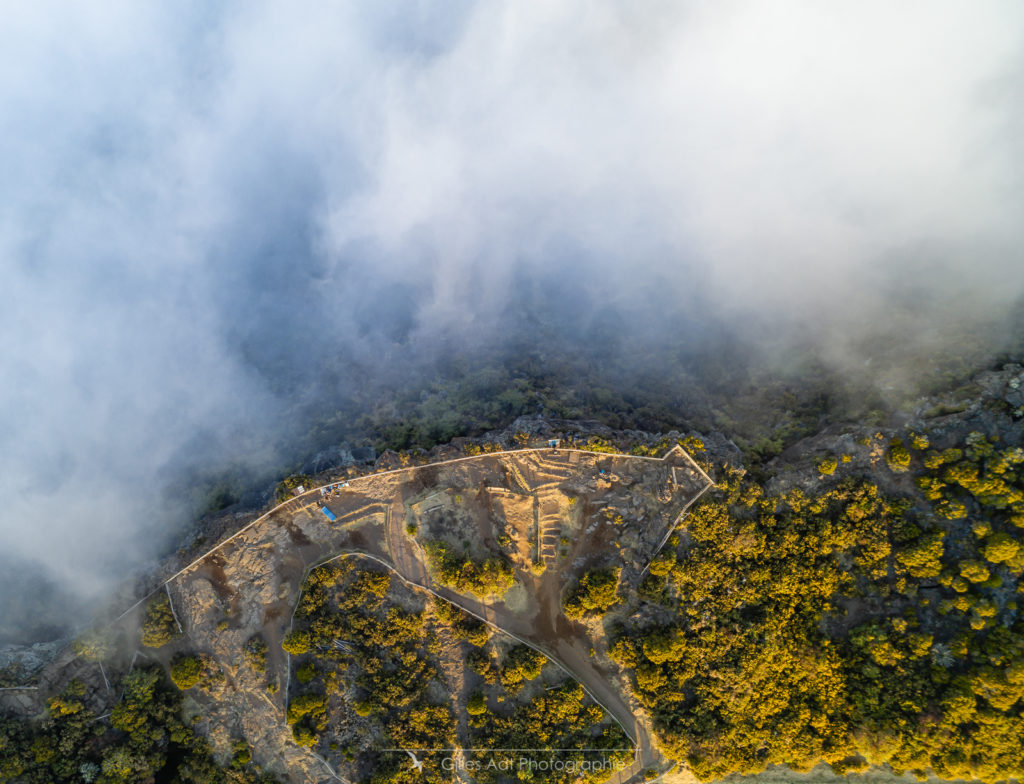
{"x": 783, "y": 152}
{"x": 212, "y": 215}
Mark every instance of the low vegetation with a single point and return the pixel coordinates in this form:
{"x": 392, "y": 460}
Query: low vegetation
{"x": 286, "y": 487}
{"x": 490, "y": 577}
{"x": 594, "y": 595}
{"x": 159, "y": 626}
{"x": 553, "y": 723}
{"x": 94, "y": 645}
{"x": 142, "y": 740}
{"x": 256, "y": 654}
{"x": 186, "y": 671}
{"x": 356, "y": 648}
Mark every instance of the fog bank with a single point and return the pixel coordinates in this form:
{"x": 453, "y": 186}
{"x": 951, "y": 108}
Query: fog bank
{"x": 216, "y": 222}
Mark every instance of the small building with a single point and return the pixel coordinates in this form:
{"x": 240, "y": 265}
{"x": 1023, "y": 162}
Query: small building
{"x": 554, "y": 442}
{"x": 299, "y": 490}
{"x": 329, "y": 514}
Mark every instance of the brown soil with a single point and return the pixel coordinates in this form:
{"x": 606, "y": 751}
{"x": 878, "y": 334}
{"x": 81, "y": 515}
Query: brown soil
{"x": 536, "y": 497}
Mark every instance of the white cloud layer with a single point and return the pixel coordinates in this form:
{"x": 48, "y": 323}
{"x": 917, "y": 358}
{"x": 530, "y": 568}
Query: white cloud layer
{"x": 187, "y": 186}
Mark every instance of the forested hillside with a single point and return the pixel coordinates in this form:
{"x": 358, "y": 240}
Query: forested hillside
{"x": 853, "y": 600}
{"x": 861, "y": 610}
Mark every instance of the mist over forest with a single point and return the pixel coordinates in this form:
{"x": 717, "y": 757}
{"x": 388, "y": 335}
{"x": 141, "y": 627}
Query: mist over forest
{"x": 233, "y": 237}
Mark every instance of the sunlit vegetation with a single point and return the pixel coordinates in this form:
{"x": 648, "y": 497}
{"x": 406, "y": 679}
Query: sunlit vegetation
{"x": 369, "y": 654}
{"x": 355, "y": 649}
{"x": 656, "y": 449}
{"x": 559, "y": 719}
{"x": 490, "y": 577}
{"x": 596, "y": 444}
{"x": 828, "y": 466}
{"x": 296, "y": 643}
{"x": 159, "y": 626}
{"x": 94, "y": 644}
{"x": 142, "y": 740}
{"x": 307, "y": 714}
{"x": 521, "y": 664}
{"x": 286, "y": 487}
{"x": 898, "y": 457}
{"x": 461, "y": 625}
{"x": 594, "y": 595}
{"x": 186, "y": 671}
{"x": 848, "y": 624}
{"x": 844, "y": 626}
{"x": 256, "y": 653}
{"x": 485, "y": 448}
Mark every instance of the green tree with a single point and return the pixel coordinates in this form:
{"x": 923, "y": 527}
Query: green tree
{"x": 476, "y": 705}
{"x": 898, "y": 457}
{"x": 159, "y": 626}
{"x": 595, "y": 594}
{"x": 296, "y": 643}
{"x": 186, "y": 671}
{"x": 256, "y": 653}
{"x": 1000, "y": 547}
{"x": 975, "y": 571}
{"x": 94, "y": 645}
{"x": 923, "y": 558}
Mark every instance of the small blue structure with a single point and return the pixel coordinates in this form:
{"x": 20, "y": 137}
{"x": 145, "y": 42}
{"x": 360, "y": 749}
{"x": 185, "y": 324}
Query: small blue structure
{"x": 329, "y": 514}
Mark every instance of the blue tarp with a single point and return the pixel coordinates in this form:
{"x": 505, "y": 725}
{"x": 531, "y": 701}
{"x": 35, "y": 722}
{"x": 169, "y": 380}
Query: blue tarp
{"x": 328, "y": 513}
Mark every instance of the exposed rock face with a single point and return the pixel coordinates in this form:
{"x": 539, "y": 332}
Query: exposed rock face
{"x": 22, "y": 662}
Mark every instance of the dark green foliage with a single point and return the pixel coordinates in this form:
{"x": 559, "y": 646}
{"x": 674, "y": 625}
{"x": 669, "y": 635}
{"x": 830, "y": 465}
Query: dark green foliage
{"x": 243, "y": 755}
{"x": 143, "y": 741}
{"x": 476, "y": 705}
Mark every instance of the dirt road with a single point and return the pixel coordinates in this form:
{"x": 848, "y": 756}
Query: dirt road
{"x": 564, "y": 643}
{"x": 557, "y": 513}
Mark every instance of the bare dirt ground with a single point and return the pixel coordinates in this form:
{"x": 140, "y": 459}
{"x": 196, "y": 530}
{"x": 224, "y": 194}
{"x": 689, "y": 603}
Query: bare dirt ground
{"x": 568, "y": 510}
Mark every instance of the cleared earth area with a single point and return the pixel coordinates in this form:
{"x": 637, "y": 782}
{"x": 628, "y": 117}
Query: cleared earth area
{"x": 521, "y": 528}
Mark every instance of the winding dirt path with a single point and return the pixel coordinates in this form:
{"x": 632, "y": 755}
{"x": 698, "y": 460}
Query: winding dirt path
{"x": 567, "y": 656}
{"x": 537, "y": 621}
